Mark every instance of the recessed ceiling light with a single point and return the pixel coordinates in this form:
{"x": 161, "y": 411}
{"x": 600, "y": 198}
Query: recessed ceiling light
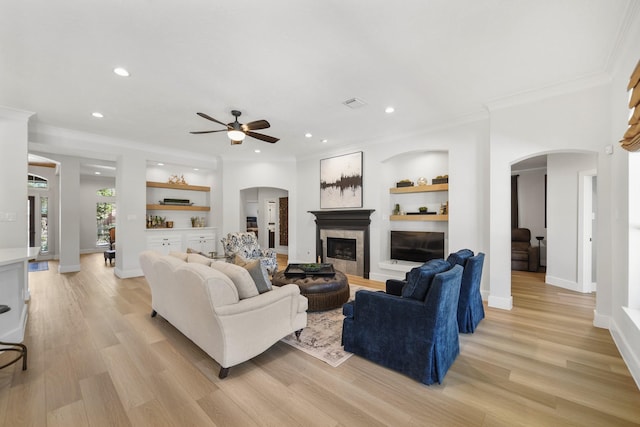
{"x": 121, "y": 72}
{"x": 256, "y": 151}
{"x": 389, "y": 110}
{"x": 97, "y": 173}
{"x": 308, "y": 135}
{"x": 160, "y": 164}
{"x": 196, "y": 169}
{"x": 324, "y": 141}
{"x": 97, "y": 114}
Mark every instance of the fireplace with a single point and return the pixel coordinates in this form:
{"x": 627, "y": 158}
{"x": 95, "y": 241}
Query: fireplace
{"x": 342, "y": 238}
{"x": 340, "y": 248}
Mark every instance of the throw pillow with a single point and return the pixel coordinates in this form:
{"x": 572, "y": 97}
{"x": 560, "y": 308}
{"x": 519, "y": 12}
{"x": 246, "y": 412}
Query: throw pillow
{"x": 259, "y": 275}
{"x": 180, "y": 255}
{"x": 197, "y": 258}
{"x": 240, "y": 260}
{"x": 239, "y": 276}
{"x": 419, "y": 278}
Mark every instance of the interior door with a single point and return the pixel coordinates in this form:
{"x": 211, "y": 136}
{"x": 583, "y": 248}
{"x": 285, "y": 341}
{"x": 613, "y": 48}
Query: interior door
{"x": 284, "y": 221}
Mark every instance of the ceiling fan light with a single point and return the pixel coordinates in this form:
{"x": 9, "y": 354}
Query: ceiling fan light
{"x": 236, "y": 135}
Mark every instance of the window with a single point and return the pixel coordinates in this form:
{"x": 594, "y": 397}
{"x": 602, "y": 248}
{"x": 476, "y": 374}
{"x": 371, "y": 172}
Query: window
{"x": 44, "y": 224}
{"x": 105, "y": 215}
{"x": 106, "y": 192}
{"x": 35, "y": 181}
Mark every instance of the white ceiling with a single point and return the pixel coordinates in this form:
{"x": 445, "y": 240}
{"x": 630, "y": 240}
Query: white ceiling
{"x": 292, "y": 63}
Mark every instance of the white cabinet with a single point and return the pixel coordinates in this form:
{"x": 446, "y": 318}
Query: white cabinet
{"x": 165, "y": 244}
{"x": 203, "y": 242}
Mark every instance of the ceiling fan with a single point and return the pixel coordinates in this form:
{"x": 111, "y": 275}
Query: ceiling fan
{"x": 237, "y": 131}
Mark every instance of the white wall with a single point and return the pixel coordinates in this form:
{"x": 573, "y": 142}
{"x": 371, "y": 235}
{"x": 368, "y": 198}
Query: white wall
{"x": 534, "y": 128}
{"x": 240, "y": 175}
{"x": 619, "y": 307}
{"x": 465, "y": 145}
{"x": 562, "y": 220}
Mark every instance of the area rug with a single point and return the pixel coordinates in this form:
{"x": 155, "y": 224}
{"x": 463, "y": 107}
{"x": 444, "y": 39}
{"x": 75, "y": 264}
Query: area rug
{"x": 39, "y": 266}
{"x": 323, "y": 335}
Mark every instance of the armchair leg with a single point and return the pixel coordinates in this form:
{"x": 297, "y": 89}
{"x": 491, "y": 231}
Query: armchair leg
{"x": 153, "y": 313}
{"x": 298, "y": 332}
{"x": 223, "y": 373}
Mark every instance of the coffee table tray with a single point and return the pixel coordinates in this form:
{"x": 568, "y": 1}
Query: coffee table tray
{"x": 309, "y": 269}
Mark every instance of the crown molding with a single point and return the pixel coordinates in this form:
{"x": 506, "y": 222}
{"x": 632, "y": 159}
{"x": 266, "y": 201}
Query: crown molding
{"x": 551, "y": 91}
{"x": 15, "y": 114}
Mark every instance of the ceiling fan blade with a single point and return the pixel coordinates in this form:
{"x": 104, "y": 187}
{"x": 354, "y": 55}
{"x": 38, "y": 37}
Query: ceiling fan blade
{"x": 258, "y": 124}
{"x": 208, "y": 117}
{"x": 262, "y": 137}
{"x": 207, "y": 131}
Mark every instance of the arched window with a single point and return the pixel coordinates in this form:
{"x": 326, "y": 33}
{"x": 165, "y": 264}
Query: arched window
{"x": 35, "y": 181}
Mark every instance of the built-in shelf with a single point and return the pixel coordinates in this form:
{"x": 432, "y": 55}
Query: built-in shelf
{"x": 419, "y": 189}
{"x": 177, "y": 208}
{"x": 419, "y": 217}
{"x": 182, "y": 187}
{"x": 178, "y": 186}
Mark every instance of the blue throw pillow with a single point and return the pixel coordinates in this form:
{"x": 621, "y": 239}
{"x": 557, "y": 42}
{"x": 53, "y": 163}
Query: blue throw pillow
{"x": 419, "y": 278}
{"x": 460, "y": 257}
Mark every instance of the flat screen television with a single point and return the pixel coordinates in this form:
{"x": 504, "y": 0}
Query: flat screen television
{"x": 417, "y": 246}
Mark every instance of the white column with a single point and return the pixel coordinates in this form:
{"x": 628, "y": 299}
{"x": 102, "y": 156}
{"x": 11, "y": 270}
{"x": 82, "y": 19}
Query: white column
{"x": 13, "y": 176}
{"x": 69, "y": 247}
{"x": 131, "y": 208}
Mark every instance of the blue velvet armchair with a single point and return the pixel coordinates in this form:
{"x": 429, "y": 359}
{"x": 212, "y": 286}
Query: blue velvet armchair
{"x": 470, "y": 308}
{"x": 418, "y": 337}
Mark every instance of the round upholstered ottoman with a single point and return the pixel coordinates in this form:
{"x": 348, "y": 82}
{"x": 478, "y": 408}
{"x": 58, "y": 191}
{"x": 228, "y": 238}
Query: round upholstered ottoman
{"x": 323, "y": 293}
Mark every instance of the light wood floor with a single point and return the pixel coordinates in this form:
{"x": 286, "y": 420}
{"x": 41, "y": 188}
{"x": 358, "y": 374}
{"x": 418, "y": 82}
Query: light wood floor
{"x": 96, "y": 358}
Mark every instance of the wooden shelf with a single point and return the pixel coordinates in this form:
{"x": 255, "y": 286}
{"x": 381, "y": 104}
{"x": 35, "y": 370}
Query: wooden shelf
{"x": 419, "y": 217}
{"x": 419, "y": 189}
{"x": 177, "y": 208}
{"x": 178, "y": 186}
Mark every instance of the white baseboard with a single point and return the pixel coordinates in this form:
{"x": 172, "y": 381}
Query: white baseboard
{"x": 68, "y": 268}
{"x": 601, "y": 321}
{"x": 501, "y": 302}
{"x": 562, "y": 283}
{"x": 626, "y": 350}
{"x": 127, "y": 274}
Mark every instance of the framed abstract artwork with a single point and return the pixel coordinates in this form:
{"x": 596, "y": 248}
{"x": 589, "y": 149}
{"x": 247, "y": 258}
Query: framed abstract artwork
{"x": 341, "y": 181}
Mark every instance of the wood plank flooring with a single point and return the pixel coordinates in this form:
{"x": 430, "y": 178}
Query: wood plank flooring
{"x": 96, "y": 358}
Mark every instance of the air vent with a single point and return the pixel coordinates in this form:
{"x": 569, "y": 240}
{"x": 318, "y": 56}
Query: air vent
{"x": 354, "y": 103}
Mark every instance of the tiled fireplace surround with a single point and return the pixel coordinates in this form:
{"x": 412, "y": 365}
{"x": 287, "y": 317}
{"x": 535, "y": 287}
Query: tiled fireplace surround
{"x": 345, "y": 224}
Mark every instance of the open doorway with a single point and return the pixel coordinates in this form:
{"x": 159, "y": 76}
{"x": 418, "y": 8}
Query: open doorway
{"x": 261, "y": 209}
{"x": 560, "y": 211}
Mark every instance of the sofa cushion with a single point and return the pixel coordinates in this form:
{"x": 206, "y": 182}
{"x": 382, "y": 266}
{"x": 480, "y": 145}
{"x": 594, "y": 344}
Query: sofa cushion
{"x": 419, "y": 278}
{"x": 240, "y": 278}
{"x": 199, "y": 259}
{"x": 180, "y": 255}
{"x": 259, "y": 275}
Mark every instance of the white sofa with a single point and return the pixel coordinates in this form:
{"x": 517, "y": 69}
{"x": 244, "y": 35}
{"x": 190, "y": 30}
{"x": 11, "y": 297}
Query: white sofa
{"x": 205, "y": 305}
